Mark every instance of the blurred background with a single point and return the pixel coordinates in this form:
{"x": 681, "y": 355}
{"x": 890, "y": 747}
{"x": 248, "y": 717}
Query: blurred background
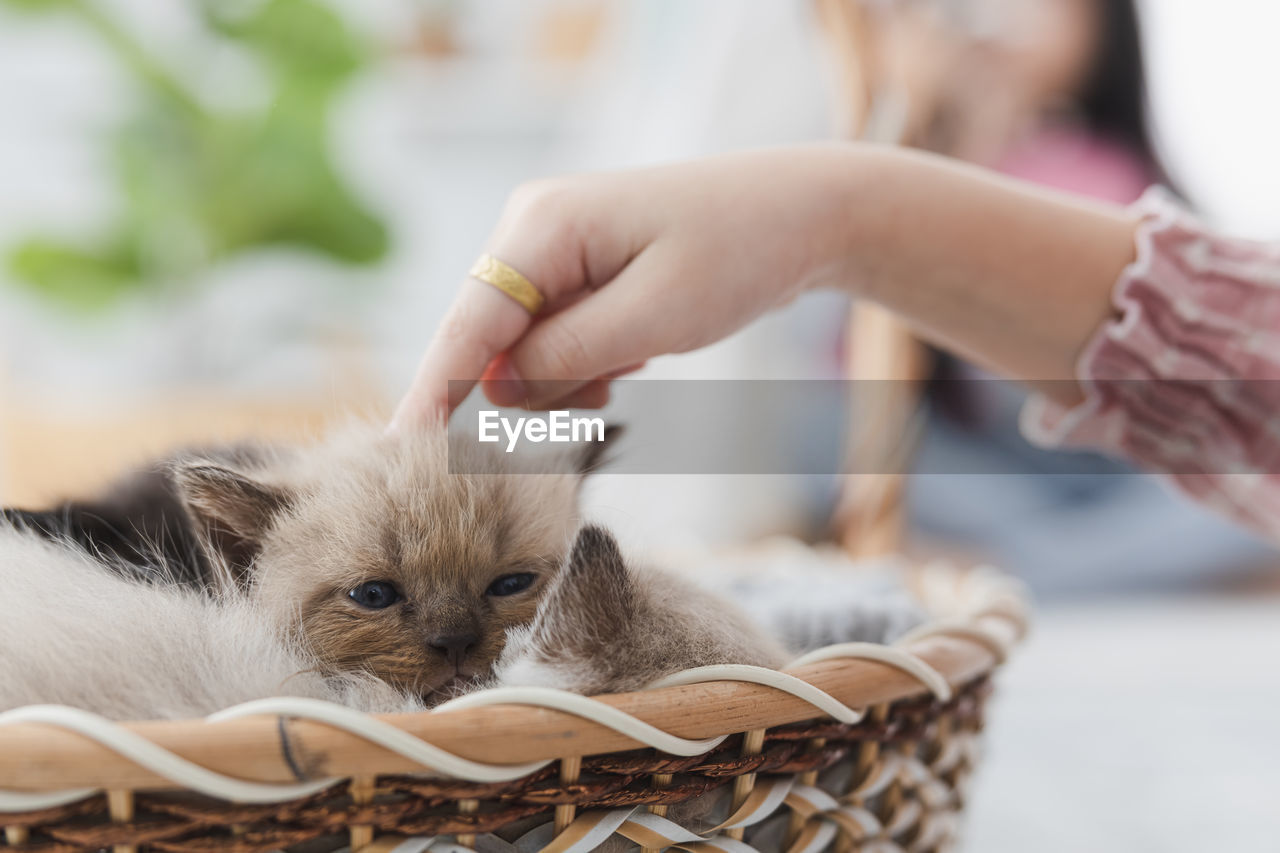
{"x": 245, "y": 217}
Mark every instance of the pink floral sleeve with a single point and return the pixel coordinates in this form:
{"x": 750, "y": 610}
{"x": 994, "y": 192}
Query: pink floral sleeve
{"x": 1186, "y": 379}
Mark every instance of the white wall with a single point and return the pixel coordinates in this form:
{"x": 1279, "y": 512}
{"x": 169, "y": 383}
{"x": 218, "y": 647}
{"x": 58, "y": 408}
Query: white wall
{"x": 1215, "y": 81}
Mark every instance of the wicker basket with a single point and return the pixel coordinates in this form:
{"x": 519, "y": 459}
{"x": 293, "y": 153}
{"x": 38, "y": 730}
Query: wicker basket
{"x": 864, "y": 747}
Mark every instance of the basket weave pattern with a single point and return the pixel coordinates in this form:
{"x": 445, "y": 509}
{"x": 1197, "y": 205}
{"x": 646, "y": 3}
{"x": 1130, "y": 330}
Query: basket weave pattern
{"x": 906, "y": 765}
{"x": 857, "y": 747}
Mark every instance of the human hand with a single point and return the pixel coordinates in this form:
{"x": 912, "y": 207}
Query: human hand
{"x": 633, "y": 265}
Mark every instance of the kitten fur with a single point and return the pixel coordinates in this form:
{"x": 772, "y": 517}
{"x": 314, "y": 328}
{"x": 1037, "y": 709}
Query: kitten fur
{"x": 607, "y": 628}
{"x": 76, "y": 635}
{"x": 298, "y": 528}
{"x": 284, "y": 535}
{"x": 304, "y": 529}
{"x": 139, "y": 525}
{"x": 131, "y": 649}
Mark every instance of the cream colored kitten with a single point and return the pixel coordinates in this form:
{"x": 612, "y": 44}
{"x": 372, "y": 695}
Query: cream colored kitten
{"x": 383, "y": 559}
{"x": 362, "y": 556}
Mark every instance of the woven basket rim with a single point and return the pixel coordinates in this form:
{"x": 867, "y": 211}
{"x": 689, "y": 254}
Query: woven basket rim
{"x": 269, "y": 749}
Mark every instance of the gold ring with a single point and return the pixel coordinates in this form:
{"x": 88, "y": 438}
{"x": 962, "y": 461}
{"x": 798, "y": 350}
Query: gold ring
{"x": 492, "y": 271}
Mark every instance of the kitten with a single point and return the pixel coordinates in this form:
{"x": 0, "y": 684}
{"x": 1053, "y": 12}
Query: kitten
{"x": 131, "y": 649}
{"x": 383, "y": 559}
{"x": 605, "y": 627}
{"x": 76, "y": 635}
{"x": 352, "y": 571}
{"x": 139, "y": 525}
{"x": 367, "y": 546}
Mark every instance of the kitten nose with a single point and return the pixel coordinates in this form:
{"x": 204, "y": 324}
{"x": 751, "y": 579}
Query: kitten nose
{"x": 454, "y": 647}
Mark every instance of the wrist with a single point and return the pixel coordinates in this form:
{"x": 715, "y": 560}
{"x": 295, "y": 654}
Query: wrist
{"x": 1009, "y": 275}
{"x": 861, "y": 217}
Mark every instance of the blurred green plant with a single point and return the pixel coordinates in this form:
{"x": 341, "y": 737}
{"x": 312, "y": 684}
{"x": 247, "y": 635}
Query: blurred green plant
{"x": 199, "y": 184}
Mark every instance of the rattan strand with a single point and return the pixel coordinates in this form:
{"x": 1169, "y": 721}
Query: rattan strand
{"x": 906, "y": 762}
{"x": 412, "y": 806}
{"x": 189, "y": 775}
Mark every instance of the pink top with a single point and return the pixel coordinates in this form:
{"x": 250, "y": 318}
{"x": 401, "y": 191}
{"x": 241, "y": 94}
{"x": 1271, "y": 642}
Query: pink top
{"x": 1186, "y": 379}
{"x": 1076, "y": 161}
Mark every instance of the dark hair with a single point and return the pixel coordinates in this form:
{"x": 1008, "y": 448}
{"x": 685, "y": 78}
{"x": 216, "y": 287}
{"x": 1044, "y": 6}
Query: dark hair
{"x": 1112, "y": 104}
{"x": 1113, "y": 101}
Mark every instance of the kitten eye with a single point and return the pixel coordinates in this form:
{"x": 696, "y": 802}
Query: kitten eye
{"x": 375, "y": 595}
{"x": 510, "y": 584}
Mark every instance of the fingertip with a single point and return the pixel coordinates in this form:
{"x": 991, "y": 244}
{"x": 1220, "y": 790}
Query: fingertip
{"x": 594, "y": 395}
{"x": 414, "y": 413}
{"x": 502, "y": 384}
{"x": 398, "y": 420}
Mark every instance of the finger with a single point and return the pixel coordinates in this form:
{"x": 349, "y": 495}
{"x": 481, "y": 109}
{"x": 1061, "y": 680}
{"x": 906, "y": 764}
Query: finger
{"x": 623, "y": 371}
{"x": 540, "y": 234}
{"x": 594, "y": 395}
{"x": 504, "y": 388}
{"x": 481, "y": 323}
{"x": 501, "y": 384}
{"x": 615, "y": 328}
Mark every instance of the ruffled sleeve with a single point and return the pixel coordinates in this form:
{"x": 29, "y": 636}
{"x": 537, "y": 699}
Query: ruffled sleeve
{"x": 1185, "y": 379}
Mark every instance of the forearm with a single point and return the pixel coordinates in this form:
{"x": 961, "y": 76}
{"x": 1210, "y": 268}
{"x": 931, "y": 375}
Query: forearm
{"x": 1012, "y": 277}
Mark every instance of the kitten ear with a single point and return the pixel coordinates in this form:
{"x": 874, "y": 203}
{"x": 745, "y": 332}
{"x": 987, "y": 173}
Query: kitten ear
{"x": 593, "y": 455}
{"x": 596, "y": 577}
{"x": 585, "y": 630}
{"x": 231, "y": 509}
{"x": 592, "y": 601}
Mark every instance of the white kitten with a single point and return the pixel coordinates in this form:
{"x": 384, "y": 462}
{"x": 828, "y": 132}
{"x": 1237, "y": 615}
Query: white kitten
{"x": 75, "y": 634}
